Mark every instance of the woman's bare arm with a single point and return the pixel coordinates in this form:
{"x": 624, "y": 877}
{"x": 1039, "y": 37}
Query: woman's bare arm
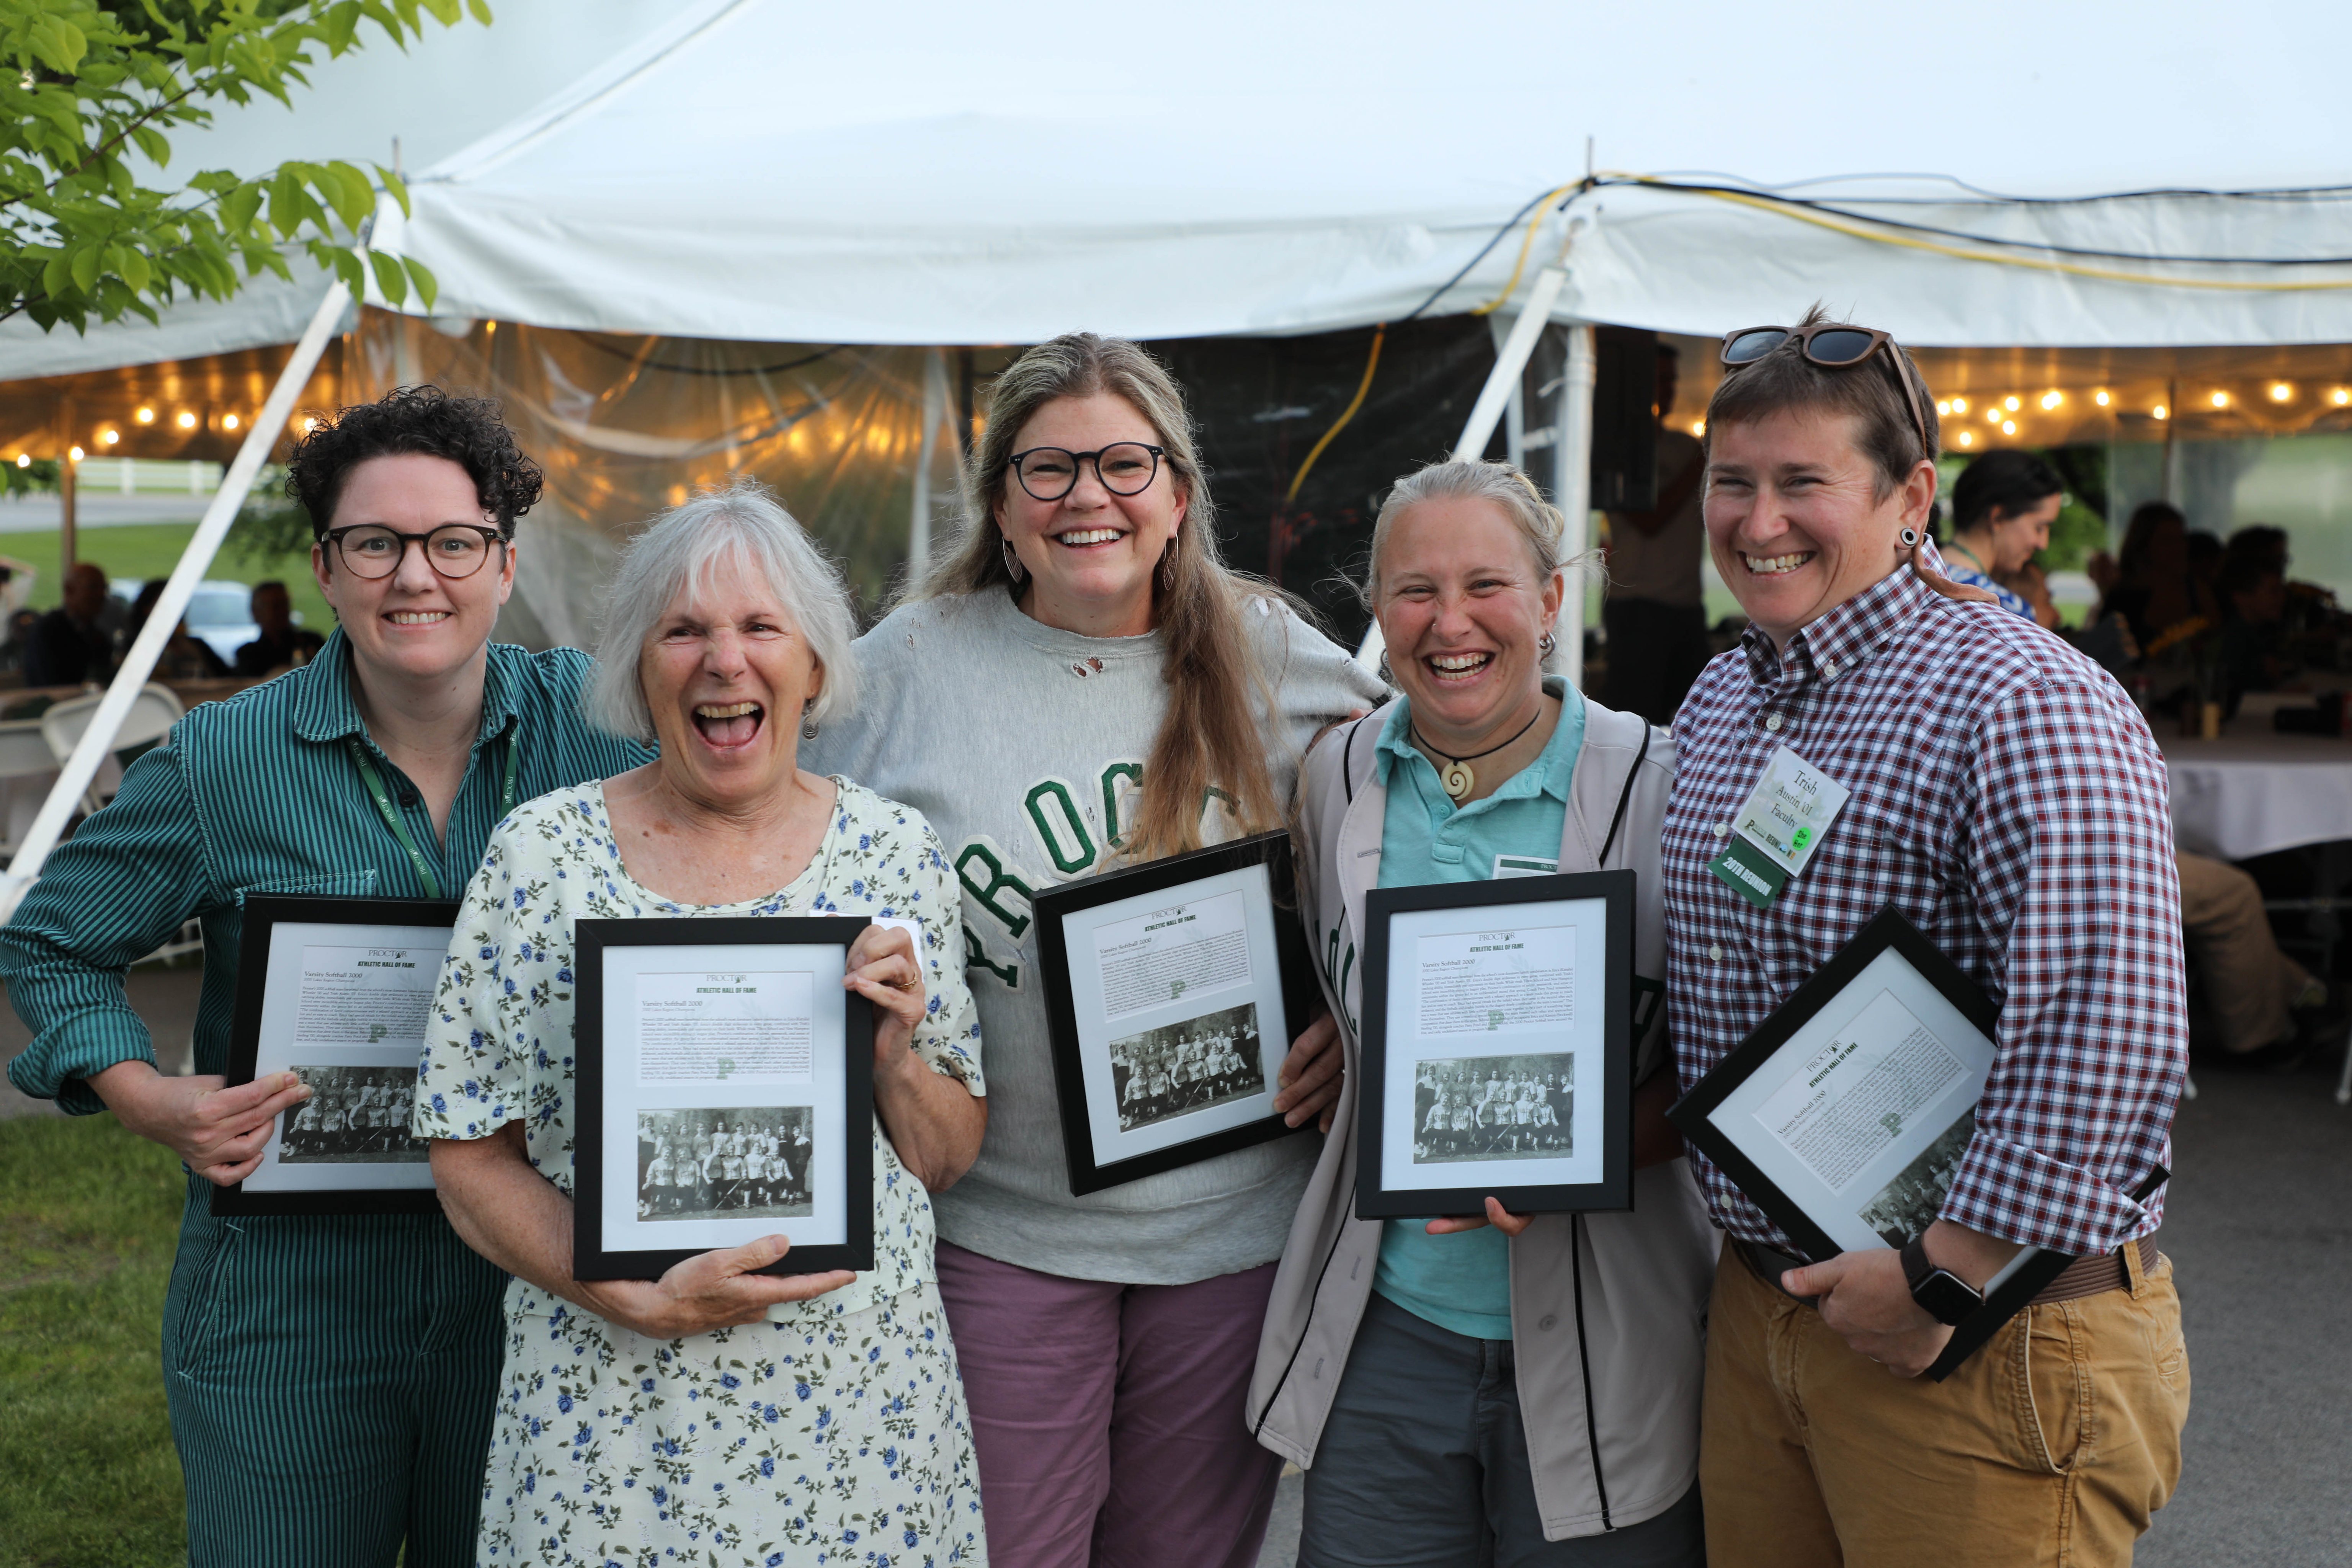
{"x": 931, "y": 1119}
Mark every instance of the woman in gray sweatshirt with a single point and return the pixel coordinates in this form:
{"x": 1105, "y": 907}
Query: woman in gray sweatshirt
{"x": 1084, "y": 685}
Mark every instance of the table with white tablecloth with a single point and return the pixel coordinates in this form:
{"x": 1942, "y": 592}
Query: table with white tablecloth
{"x": 2244, "y": 795}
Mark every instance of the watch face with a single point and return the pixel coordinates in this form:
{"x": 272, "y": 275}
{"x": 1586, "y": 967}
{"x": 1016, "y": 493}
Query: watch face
{"x": 1946, "y": 1297}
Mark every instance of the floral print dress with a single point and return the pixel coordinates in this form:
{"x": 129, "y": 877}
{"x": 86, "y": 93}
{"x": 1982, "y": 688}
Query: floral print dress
{"x": 834, "y": 1433}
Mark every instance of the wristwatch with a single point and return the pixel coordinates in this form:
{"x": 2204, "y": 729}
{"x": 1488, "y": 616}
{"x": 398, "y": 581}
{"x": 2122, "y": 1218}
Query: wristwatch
{"x": 1942, "y": 1294}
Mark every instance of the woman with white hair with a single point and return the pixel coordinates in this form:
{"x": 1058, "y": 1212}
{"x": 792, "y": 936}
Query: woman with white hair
{"x": 716, "y": 1413}
{"x": 1490, "y": 1387}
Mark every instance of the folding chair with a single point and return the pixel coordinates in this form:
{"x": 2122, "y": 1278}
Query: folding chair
{"x": 153, "y": 713}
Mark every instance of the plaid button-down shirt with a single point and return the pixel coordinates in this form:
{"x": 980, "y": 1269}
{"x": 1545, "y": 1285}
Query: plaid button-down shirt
{"x": 2008, "y": 798}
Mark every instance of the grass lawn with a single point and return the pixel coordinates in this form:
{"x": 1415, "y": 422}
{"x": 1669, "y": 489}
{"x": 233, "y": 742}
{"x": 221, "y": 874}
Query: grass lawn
{"x": 88, "y": 1218}
{"x": 145, "y": 550}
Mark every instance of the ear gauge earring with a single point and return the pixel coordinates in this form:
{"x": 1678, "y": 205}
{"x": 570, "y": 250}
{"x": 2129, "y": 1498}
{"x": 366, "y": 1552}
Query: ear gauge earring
{"x": 808, "y": 719}
{"x": 1910, "y": 537}
{"x": 1011, "y": 562}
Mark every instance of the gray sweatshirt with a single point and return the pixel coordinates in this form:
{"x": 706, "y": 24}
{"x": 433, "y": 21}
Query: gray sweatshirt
{"x": 1022, "y": 745}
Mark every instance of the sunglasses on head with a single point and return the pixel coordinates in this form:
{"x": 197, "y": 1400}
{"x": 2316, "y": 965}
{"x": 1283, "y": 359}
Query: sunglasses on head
{"x": 1832, "y": 347}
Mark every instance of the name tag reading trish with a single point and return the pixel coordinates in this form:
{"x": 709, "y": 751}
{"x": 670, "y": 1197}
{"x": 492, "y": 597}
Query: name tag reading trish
{"x": 1776, "y": 831}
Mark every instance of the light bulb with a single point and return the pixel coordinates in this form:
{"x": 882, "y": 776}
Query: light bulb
{"x": 74, "y": 453}
{"x": 2341, "y": 396}
{"x": 1698, "y": 427}
{"x": 1943, "y": 407}
{"x": 308, "y": 425}
{"x": 2051, "y": 399}
{"x": 228, "y": 421}
{"x": 2162, "y": 412}
{"x": 1992, "y": 415}
{"x": 2011, "y": 403}
{"x": 1960, "y": 406}
{"x": 1967, "y": 437}
{"x": 108, "y": 438}
{"x": 2281, "y": 391}
{"x": 2009, "y": 426}
{"x": 184, "y": 420}
{"x": 2100, "y": 397}
{"x": 23, "y": 460}
{"x": 2221, "y": 400}
{"x": 145, "y": 416}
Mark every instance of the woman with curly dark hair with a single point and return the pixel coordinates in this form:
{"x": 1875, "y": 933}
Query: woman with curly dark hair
{"x": 332, "y": 1379}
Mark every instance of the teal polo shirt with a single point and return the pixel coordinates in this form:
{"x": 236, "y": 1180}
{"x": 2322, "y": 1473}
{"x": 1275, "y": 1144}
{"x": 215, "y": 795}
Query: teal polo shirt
{"x": 1463, "y": 1282}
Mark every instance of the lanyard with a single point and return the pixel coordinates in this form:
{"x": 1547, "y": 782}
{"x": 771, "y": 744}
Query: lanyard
{"x": 391, "y": 816}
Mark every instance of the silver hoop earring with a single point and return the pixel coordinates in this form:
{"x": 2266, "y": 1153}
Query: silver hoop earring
{"x": 1545, "y": 644}
{"x": 1011, "y": 560}
{"x": 808, "y": 719}
{"x": 1388, "y": 676}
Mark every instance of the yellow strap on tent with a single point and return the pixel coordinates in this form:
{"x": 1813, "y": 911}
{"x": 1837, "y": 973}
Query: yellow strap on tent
{"x": 2034, "y": 264}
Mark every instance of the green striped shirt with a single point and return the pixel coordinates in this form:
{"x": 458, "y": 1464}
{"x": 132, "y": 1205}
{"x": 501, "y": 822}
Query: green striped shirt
{"x": 259, "y": 794}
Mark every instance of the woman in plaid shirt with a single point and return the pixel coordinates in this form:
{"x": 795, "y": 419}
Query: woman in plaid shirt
{"x": 2008, "y": 798}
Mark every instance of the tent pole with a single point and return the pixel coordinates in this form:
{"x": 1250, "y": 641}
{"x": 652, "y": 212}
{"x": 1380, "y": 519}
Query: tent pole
{"x": 1572, "y": 492}
{"x": 69, "y": 500}
{"x": 935, "y": 414}
{"x": 1491, "y": 398}
{"x": 56, "y": 812}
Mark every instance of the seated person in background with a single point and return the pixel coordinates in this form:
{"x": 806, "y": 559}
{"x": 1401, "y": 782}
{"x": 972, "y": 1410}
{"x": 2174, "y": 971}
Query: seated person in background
{"x": 2254, "y": 656}
{"x": 2002, "y": 507}
{"x": 70, "y": 644}
{"x": 2153, "y": 588}
{"x": 2032, "y": 583}
{"x": 184, "y": 657}
{"x": 282, "y": 643}
{"x": 2254, "y": 990}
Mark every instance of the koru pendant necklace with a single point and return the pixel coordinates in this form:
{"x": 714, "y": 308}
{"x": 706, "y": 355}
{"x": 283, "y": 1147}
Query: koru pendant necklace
{"x": 1455, "y": 775}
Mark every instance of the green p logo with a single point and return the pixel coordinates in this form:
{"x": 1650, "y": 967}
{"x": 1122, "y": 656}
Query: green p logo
{"x": 1798, "y": 839}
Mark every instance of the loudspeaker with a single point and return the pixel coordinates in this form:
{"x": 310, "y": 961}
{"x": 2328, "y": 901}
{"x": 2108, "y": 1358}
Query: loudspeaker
{"x": 1624, "y": 419}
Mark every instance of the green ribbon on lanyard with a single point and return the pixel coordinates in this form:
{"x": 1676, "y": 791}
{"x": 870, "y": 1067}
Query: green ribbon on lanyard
{"x": 391, "y": 814}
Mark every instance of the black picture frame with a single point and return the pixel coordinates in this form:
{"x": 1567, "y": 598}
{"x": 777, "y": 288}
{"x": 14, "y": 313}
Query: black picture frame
{"x": 1692, "y": 1115}
{"x": 1055, "y": 906}
{"x": 262, "y": 913}
{"x": 592, "y": 941}
{"x": 1614, "y": 1189}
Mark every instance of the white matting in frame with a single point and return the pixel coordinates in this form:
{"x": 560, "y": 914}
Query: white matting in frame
{"x": 338, "y": 992}
{"x": 1495, "y": 1015}
{"x": 728, "y": 1042}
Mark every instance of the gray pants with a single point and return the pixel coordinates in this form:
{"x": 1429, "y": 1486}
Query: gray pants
{"x": 1424, "y": 1464}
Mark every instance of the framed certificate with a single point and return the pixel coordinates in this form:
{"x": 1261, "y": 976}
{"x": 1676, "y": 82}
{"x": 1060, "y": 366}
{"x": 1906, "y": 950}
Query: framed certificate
{"x": 1172, "y": 993}
{"x": 336, "y": 991}
{"x": 1498, "y": 1052}
{"x": 1846, "y": 1113}
{"x": 725, "y": 1093}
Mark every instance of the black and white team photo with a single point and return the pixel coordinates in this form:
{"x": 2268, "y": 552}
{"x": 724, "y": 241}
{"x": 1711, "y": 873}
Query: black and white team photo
{"x": 724, "y": 1164}
{"x": 1179, "y": 1068}
{"x": 354, "y": 1115}
{"x": 1494, "y": 1108}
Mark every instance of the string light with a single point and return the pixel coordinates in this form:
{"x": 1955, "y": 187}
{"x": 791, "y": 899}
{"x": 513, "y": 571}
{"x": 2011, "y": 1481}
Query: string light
{"x": 2281, "y": 391}
{"x": 2051, "y": 400}
{"x": 1960, "y": 406}
{"x": 2162, "y": 412}
{"x": 23, "y": 460}
{"x": 2100, "y": 397}
{"x": 2009, "y": 426}
{"x": 2011, "y": 403}
{"x": 145, "y": 416}
{"x": 74, "y": 453}
{"x": 108, "y": 438}
{"x": 1698, "y": 427}
{"x": 2221, "y": 400}
{"x": 184, "y": 420}
{"x": 1943, "y": 407}
{"x": 2341, "y": 396}
{"x": 1967, "y": 437}
{"x": 308, "y": 425}
{"x": 1992, "y": 415}
{"x": 228, "y": 421}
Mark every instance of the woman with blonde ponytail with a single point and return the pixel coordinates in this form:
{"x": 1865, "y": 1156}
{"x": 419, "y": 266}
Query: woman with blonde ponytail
{"x": 1084, "y": 684}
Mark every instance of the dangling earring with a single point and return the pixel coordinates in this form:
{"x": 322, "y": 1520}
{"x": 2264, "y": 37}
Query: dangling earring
{"x": 808, "y": 719}
{"x": 1168, "y": 568}
{"x": 1011, "y": 562}
{"x": 1388, "y": 676}
{"x": 1547, "y": 644}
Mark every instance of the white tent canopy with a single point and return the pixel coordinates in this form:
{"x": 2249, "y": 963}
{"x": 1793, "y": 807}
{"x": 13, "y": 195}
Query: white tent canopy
{"x": 791, "y": 172}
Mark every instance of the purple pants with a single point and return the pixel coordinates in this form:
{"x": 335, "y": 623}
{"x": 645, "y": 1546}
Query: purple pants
{"x": 1108, "y": 1418}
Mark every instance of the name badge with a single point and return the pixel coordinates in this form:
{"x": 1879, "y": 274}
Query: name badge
{"x": 1776, "y": 831}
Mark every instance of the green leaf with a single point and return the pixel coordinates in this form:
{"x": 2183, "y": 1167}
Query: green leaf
{"x": 341, "y": 25}
{"x": 154, "y": 143}
{"x": 237, "y": 209}
{"x": 428, "y": 288}
{"x": 388, "y": 276}
{"x": 347, "y": 268}
{"x": 348, "y": 191}
{"x": 85, "y": 267}
{"x": 398, "y": 187}
{"x": 136, "y": 271}
{"x": 57, "y": 275}
{"x": 481, "y": 10}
